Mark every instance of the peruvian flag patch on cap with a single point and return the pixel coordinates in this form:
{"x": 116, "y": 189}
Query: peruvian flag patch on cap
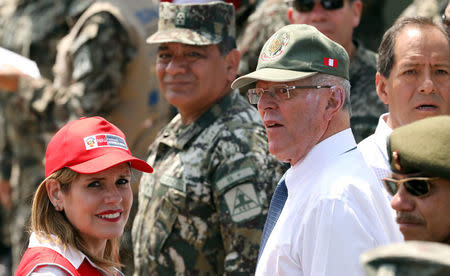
{"x": 330, "y": 62}
{"x": 104, "y": 140}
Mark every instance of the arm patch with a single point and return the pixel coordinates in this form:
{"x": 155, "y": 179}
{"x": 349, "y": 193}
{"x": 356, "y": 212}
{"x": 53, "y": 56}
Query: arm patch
{"x": 236, "y": 177}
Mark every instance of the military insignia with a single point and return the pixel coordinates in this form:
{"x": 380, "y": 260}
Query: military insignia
{"x": 180, "y": 19}
{"x": 235, "y": 177}
{"x": 242, "y": 202}
{"x": 396, "y": 157}
{"x": 275, "y": 47}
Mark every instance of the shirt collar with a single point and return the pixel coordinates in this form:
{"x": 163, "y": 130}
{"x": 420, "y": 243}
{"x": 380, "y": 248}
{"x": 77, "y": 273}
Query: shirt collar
{"x": 319, "y": 155}
{"x": 382, "y": 132}
{"x": 382, "y": 128}
{"x": 74, "y": 256}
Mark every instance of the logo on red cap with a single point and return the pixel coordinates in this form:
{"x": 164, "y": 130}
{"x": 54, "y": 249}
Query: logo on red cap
{"x": 104, "y": 140}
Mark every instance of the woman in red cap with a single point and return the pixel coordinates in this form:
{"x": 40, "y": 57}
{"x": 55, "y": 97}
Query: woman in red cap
{"x": 81, "y": 208}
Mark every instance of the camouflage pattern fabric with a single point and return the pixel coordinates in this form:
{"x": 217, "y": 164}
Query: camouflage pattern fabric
{"x": 430, "y": 9}
{"x": 244, "y": 9}
{"x": 34, "y": 28}
{"x": 185, "y": 23}
{"x": 366, "y": 105}
{"x": 100, "y": 54}
{"x": 30, "y": 28}
{"x": 203, "y": 209}
{"x": 268, "y": 18}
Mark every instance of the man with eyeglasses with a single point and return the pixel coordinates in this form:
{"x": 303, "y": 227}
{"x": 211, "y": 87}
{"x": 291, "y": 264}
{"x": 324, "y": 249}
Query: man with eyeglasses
{"x": 413, "y": 79}
{"x": 419, "y": 156}
{"x": 337, "y": 19}
{"x": 327, "y": 209}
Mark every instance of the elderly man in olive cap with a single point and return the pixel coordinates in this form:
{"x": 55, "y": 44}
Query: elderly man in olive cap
{"x": 419, "y": 156}
{"x": 203, "y": 210}
{"x": 327, "y": 209}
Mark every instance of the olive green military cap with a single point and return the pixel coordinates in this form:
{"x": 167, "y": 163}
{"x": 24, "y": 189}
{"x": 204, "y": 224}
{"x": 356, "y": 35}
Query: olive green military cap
{"x": 295, "y": 52}
{"x": 411, "y": 258}
{"x": 422, "y": 146}
{"x": 195, "y": 24}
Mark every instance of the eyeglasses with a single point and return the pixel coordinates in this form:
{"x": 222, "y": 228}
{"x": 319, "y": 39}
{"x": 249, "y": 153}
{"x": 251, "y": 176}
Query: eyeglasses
{"x": 308, "y": 5}
{"x": 279, "y": 92}
{"x": 416, "y": 186}
{"x": 445, "y": 20}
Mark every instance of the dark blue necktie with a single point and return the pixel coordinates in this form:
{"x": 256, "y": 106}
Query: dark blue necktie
{"x": 276, "y": 205}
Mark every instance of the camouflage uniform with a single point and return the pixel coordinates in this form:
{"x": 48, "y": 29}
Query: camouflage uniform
{"x": 203, "y": 209}
{"x": 430, "y": 8}
{"x": 270, "y": 16}
{"x": 411, "y": 258}
{"x": 91, "y": 76}
{"x": 30, "y": 28}
{"x": 366, "y": 105}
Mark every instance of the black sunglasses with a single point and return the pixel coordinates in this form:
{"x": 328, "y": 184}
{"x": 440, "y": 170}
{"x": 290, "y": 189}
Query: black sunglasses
{"x": 308, "y": 5}
{"x": 416, "y": 186}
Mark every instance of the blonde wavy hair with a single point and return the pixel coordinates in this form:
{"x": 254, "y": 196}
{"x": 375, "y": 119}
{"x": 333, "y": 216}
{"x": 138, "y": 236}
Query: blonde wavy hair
{"x": 46, "y": 221}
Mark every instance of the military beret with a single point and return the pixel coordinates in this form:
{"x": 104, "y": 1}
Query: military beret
{"x": 422, "y": 146}
{"x": 408, "y": 258}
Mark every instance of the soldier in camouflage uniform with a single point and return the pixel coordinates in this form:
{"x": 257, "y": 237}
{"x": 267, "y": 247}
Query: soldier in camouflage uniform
{"x": 338, "y": 24}
{"x": 101, "y": 68}
{"x": 203, "y": 209}
{"x": 411, "y": 258}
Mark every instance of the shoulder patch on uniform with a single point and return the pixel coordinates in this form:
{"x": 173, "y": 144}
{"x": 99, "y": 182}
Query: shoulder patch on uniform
{"x": 242, "y": 202}
{"x": 234, "y": 178}
{"x": 173, "y": 182}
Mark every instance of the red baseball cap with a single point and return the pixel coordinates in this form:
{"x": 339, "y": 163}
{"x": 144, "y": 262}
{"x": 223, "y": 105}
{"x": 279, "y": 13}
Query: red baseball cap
{"x": 90, "y": 145}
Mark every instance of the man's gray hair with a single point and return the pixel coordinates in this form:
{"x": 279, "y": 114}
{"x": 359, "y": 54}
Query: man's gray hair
{"x": 325, "y": 79}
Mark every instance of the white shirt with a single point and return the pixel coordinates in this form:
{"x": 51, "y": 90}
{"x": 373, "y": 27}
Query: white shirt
{"x": 334, "y": 212}
{"x": 74, "y": 256}
{"x": 374, "y": 150}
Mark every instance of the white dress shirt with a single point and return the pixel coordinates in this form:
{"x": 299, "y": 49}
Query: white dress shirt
{"x": 335, "y": 211}
{"x": 374, "y": 150}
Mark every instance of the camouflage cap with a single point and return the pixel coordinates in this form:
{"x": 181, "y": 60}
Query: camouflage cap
{"x": 295, "y": 52}
{"x": 409, "y": 258}
{"x": 422, "y": 146}
{"x": 195, "y": 24}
